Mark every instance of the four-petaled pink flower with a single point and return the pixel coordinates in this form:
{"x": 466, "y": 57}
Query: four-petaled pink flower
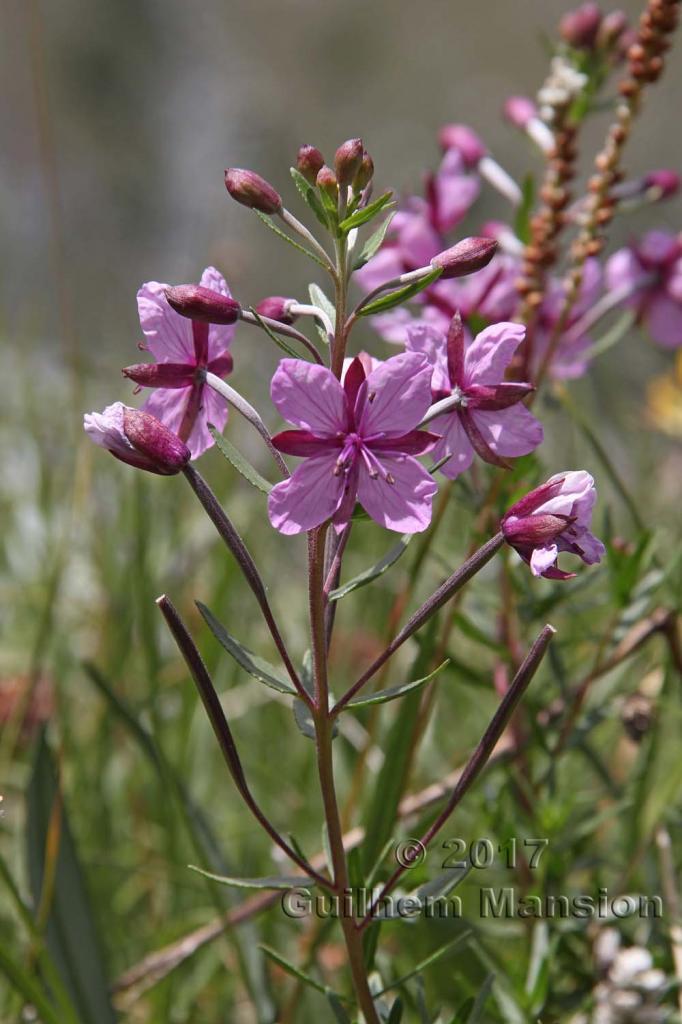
{"x": 358, "y": 440}
{"x": 653, "y": 270}
{"x": 552, "y": 518}
{"x": 487, "y": 415}
{"x": 184, "y": 350}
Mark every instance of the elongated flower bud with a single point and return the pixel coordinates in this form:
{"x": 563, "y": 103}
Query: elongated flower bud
{"x": 308, "y": 162}
{"x": 579, "y": 28}
{"x": 347, "y": 160}
{"x": 326, "y": 181}
{"x": 466, "y": 257}
{"x": 203, "y": 304}
{"x": 277, "y": 307}
{"x": 365, "y": 173}
{"x": 137, "y": 438}
{"x": 249, "y": 189}
{"x": 463, "y": 139}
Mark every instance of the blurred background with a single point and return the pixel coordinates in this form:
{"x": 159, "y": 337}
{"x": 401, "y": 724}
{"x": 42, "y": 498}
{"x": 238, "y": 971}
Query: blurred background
{"x": 117, "y": 122}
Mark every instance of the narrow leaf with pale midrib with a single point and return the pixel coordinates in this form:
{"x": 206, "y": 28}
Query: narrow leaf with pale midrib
{"x": 393, "y": 692}
{"x": 256, "y": 666}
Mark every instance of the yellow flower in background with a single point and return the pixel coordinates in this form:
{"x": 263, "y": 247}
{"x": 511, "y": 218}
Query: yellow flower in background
{"x": 664, "y": 401}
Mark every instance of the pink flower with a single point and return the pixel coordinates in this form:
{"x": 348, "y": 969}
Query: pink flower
{"x": 487, "y": 415}
{"x": 137, "y": 438}
{"x": 416, "y": 232}
{"x": 358, "y": 440}
{"x": 569, "y": 360}
{"x": 653, "y": 269}
{"x": 552, "y": 518}
{"x": 184, "y": 350}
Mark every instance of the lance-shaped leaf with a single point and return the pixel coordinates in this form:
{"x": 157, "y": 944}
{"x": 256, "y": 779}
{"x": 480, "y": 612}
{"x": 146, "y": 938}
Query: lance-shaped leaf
{"x": 319, "y": 299}
{"x": 400, "y": 295}
{"x": 373, "y": 243}
{"x": 287, "y": 238}
{"x": 310, "y": 196}
{"x": 305, "y": 722}
{"x": 256, "y": 666}
{"x": 393, "y": 692}
{"x": 366, "y": 213}
{"x": 240, "y": 463}
{"x": 270, "y": 882}
{"x": 291, "y": 969}
{"x": 380, "y": 567}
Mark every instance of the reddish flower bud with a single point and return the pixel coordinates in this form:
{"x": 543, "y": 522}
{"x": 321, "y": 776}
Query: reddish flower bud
{"x": 277, "y": 307}
{"x": 326, "y": 181}
{"x": 137, "y": 438}
{"x": 611, "y": 29}
{"x": 161, "y": 375}
{"x": 464, "y": 139}
{"x": 249, "y": 189}
{"x": 466, "y": 257}
{"x": 308, "y": 162}
{"x": 203, "y": 304}
{"x": 519, "y": 110}
{"x": 667, "y": 181}
{"x": 347, "y": 160}
{"x": 365, "y": 173}
{"x": 579, "y": 27}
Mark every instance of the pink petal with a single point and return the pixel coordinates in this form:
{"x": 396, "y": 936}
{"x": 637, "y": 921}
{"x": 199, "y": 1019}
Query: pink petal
{"x": 454, "y": 442}
{"x": 387, "y": 264}
{"x": 309, "y": 396}
{"x": 405, "y": 504}
{"x": 430, "y": 342}
{"x": 514, "y": 431}
{"x": 106, "y": 429}
{"x": 308, "y": 498}
{"x": 576, "y": 496}
{"x": 543, "y": 558}
{"x": 402, "y": 394}
{"x": 393, "y": 326}
{"x": 168, "y": 335}
{"x": 454, "y": 194}
{"x": 418, "y": 241}
{"x": 304, "y": 444}
{"x": 219, "y": 335}
{"x": 491, "y": 351}
{"x": 623, "y": 270}
{"x": 663, "y": 319}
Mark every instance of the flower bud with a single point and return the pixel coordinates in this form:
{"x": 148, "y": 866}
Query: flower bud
{"x": 249, "y": 189}
{"x": 277, "y": 307}
{"x": 668, "y": 182}
{"x": 579, "y": 27}
{"x": 463, "y": 139}
{"x": 308, "y": 162}
{"x": 611, "y": 29}
{"x": 137, "y": 438}
{"x": 519, "y": 110}
{"x": 347, "y": 160}
{"x": 466, "y": 257}
{"x": 326, "y": 182}
{"x": 365, "y": 173}
{"x": 203, "y": 304}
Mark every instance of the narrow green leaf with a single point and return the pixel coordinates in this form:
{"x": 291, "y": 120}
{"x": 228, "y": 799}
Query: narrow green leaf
{"x": 432, "y": 958}
{"x": 29, "y": 989}
{"x": 480, "y": 1000}
{"x": 310, "y": 196}
{"x": 240, "y": 463}
{"x": 370, "y": 942}
{"x": 366, "y": 213}
{"x": 363, "y": 578}
{"x": 286, "y": 238}
{"x": 291, "y": 969}
{"x": 337, "y": 1008}
{"x": 393, "y": 692}
{"x": 396, "y": 1014}
{"x": 400, "y": 295}
{"x": 256, "y": 666}
{"x": 318, "y": 298}
{"x": 304, "y": 720}
{"x": 71, "y": 935}
{"x": 439, "y": 887}
{"x": 269, "y": 882}
{"x": 373, "y": 243}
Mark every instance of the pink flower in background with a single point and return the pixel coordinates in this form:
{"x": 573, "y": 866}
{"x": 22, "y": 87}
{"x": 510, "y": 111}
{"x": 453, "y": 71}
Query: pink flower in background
{"x": 569, "y": 360}
{"x": 552, "y": 518}
{"x": 488, "y": 416}
{"x": 652, "y": 268}
{"x": 358, "y": 440}
{"x": 184, "y": 349}
{"x": 416, "y": 231}
{"x": 135, "y": 437}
